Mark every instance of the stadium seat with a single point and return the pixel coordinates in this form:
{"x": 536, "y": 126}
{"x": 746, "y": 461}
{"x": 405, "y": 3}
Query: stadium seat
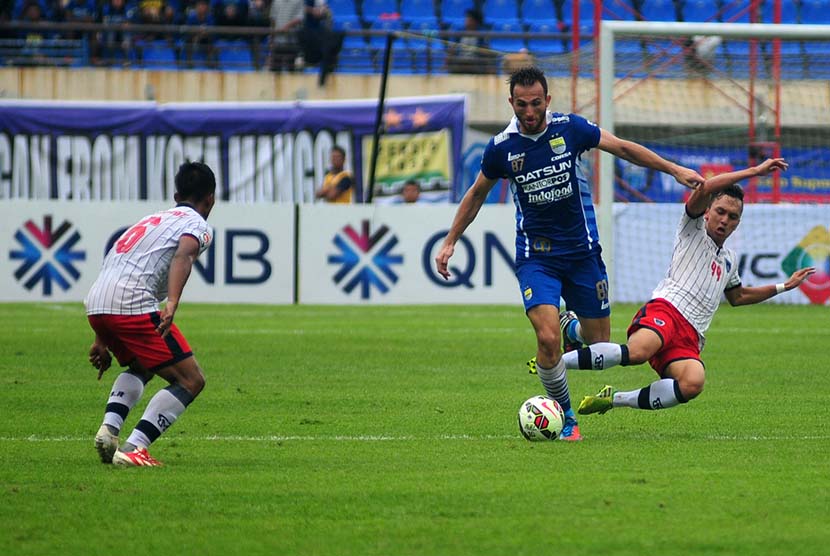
{"x": 539, "y": 11}
{"x": 507, "y": 44}
{"x": 619, "y": 10}
{"x": 700, "y": 10}
{"x": 544, "y": 46}
{"x": 385, "y": 25}
{"x": 815, "y": 11}
{"x": 453, "y": 10}
{"x": 342, "y": 8}
{"x": 789, "y": 12}
{"x": 158, "y": 55}
{"x": 658, "y": 10}
{"x": 500, "y": 10}
{"x": 350, "y": 25}
{"x": 234, "y": 55}
{"x": 376, "y": 9}
{"x": 415, "y": 11}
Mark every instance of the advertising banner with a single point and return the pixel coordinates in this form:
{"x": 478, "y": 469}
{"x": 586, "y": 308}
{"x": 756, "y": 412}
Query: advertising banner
{"x": 52, "y": 251}
{"x": 260, "y": 151}
{"x": 772, "y": 241}
{"x": 386, "y": 255}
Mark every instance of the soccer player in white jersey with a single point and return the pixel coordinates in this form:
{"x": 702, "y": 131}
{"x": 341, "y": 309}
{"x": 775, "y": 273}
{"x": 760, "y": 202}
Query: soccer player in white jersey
{"x": 668, "y": 331}
{"x": 557, "y": 244}
{"x": 151, "y": 261}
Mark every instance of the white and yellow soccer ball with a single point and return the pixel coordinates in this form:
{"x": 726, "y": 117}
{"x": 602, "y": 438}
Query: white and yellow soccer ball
{"x": 541, "y": 418}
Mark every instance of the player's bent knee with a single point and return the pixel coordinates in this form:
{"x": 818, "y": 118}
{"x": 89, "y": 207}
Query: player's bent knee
{"x": 691, "y": 388}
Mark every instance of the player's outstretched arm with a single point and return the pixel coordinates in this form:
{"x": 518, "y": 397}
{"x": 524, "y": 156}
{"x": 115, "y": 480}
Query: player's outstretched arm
{"x": 643, "y": 156}
{"x": 743, "y": 295}
{"x": 180, "y": 267}
{"x": 699, "y": 200}
{"x": 466, "y": 213}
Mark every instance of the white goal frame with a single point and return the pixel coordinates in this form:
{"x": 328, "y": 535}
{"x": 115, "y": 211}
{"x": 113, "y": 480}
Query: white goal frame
{"x": 609, "y": 30}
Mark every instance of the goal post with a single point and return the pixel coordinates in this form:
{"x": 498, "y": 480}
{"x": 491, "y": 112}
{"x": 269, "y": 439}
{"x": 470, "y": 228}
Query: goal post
{"x": 756, "y": 87}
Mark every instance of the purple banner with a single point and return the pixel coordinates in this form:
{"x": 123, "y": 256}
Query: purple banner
{"x": 260, "y": 152}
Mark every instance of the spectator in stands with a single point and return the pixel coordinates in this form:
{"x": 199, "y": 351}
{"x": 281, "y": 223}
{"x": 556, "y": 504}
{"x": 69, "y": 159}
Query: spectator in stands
{"x": 230, "y": 13}
{"x": 321, "y": 44}
{"x": 156, "y": 12}
{"x": 338, "y": 182}
{"x": 287, "y": 19}
{"x": 6, "y": 7}
{"x": 258, "y": 16}
{"x": 470, "y": 54}
{"x": 79, "y": 11}
{"x": 201, "y": 42}
{"x": 114, "y": 45}
{"x": 411, "y": 191}
{"x": 32, "y": 53}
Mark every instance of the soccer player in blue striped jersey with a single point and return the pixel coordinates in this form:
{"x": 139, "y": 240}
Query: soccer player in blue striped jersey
{"x": 557, "y": 244}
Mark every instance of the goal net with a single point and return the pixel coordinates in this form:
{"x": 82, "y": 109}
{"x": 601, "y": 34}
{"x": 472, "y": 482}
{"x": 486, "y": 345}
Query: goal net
{"x": 717, "y": 97}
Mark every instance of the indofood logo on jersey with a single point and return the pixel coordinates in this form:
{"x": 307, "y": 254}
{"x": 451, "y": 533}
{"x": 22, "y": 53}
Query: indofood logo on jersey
{"x": 812, "y": 250}
{"x": 365, "y": 259}
{"x": 47, "y": 255}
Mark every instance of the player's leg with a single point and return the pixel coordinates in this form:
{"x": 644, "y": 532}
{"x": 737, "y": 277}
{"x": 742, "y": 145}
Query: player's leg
{"x": 683, "y": 381}
{"x": 127, "y": 388}
{"x": 550, "y": 367}
{"x": 642, "y": 345}
{"x": 172, "y": 359}
{"x": 166, "y": 406}
{"x": 125, "y": 393}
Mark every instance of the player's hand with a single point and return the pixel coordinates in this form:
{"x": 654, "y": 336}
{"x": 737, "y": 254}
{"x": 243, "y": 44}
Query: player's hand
{"x": 163, "y": 329}
{"x": 100, "y": 358}
{"x": 770, "y": 165}
{"x": 688, "y": 177}
{"x": 798, "y": 276}
{"x": 443, "y": 258}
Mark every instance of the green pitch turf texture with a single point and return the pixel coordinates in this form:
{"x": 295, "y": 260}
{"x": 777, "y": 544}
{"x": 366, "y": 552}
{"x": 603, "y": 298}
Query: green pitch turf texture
{"x": 392, "y": 431}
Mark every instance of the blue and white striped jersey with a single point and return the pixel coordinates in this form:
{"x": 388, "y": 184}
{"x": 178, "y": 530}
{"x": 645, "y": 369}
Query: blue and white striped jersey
{"x": 554, "y": 210}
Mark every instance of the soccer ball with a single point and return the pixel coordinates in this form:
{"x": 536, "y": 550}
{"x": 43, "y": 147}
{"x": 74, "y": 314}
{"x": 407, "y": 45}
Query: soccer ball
{"x": 541, "y": 418}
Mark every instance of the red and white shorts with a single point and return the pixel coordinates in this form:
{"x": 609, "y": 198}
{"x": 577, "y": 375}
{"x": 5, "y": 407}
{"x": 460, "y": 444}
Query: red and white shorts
{"x": 134, "y": 337}
{"x": 680, "y": 339}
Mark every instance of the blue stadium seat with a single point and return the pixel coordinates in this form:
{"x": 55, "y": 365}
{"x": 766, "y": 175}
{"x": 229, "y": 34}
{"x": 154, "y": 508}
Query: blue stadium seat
{"x": 500, "y": 10}
{"x": 413, "y": 11}
{"x": 538, "y": 11}
{"x": 342, "y": 8}
{"x": 789, "y": 12}
{"x": 158, "y": 55}
{"x": 423, "y": 27}
{"x": 379, "y": 41}
{"x": 234, "y": 55}
{"x": 815, "y": 11}
{"x": 453, "y": 10}
{"x": 349, "y": 25}
{"x": 700, "y": 10}
{"x": 508, "y": 44}
{"x": 619, "y": 10}
{"x": 544, "y": 46}
{"x": 373, "y": 9}
{"x": 658, "y": 10}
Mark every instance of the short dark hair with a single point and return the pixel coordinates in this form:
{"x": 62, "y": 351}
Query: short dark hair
{"x": 475, "y": 14}
{"x": 735, "y": 191}
{"x": 526, "y": 77}
{"x": 412, "y": 181}
{"x": 339, "y": 149}
{"x": 195, "y": 181}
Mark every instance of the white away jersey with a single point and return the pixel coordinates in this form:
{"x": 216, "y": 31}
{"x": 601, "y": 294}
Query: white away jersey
{"x": 133, "y": 279}
{"x": 699, "y": 273}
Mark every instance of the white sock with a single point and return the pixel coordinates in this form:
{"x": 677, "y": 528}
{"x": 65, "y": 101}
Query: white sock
{"x": 555, "y": 381}
{"x": 126, "y": 391}
{"x": 162, "y": 411}
{"x": 599, "y": 356}
{"x": 661, "y": 394}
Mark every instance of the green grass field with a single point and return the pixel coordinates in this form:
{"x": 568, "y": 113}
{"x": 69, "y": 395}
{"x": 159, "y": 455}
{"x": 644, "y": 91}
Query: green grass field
{"x": 392, "y": 431}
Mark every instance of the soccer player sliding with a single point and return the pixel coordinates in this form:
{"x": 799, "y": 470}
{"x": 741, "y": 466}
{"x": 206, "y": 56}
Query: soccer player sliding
{"x": 668, "y": 331}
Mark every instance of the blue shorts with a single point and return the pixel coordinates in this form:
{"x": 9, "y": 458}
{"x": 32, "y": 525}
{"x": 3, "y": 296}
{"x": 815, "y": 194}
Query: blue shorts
{"x": 582, "y": 283}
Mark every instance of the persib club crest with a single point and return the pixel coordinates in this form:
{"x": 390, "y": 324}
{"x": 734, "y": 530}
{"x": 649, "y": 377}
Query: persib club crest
{"x": 557, "y": 145}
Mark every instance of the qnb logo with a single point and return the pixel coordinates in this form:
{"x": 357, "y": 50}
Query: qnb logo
{"x": 812, "y": 250}
{"x": 365, "y": 259}
{"x": 47, "y": 255}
